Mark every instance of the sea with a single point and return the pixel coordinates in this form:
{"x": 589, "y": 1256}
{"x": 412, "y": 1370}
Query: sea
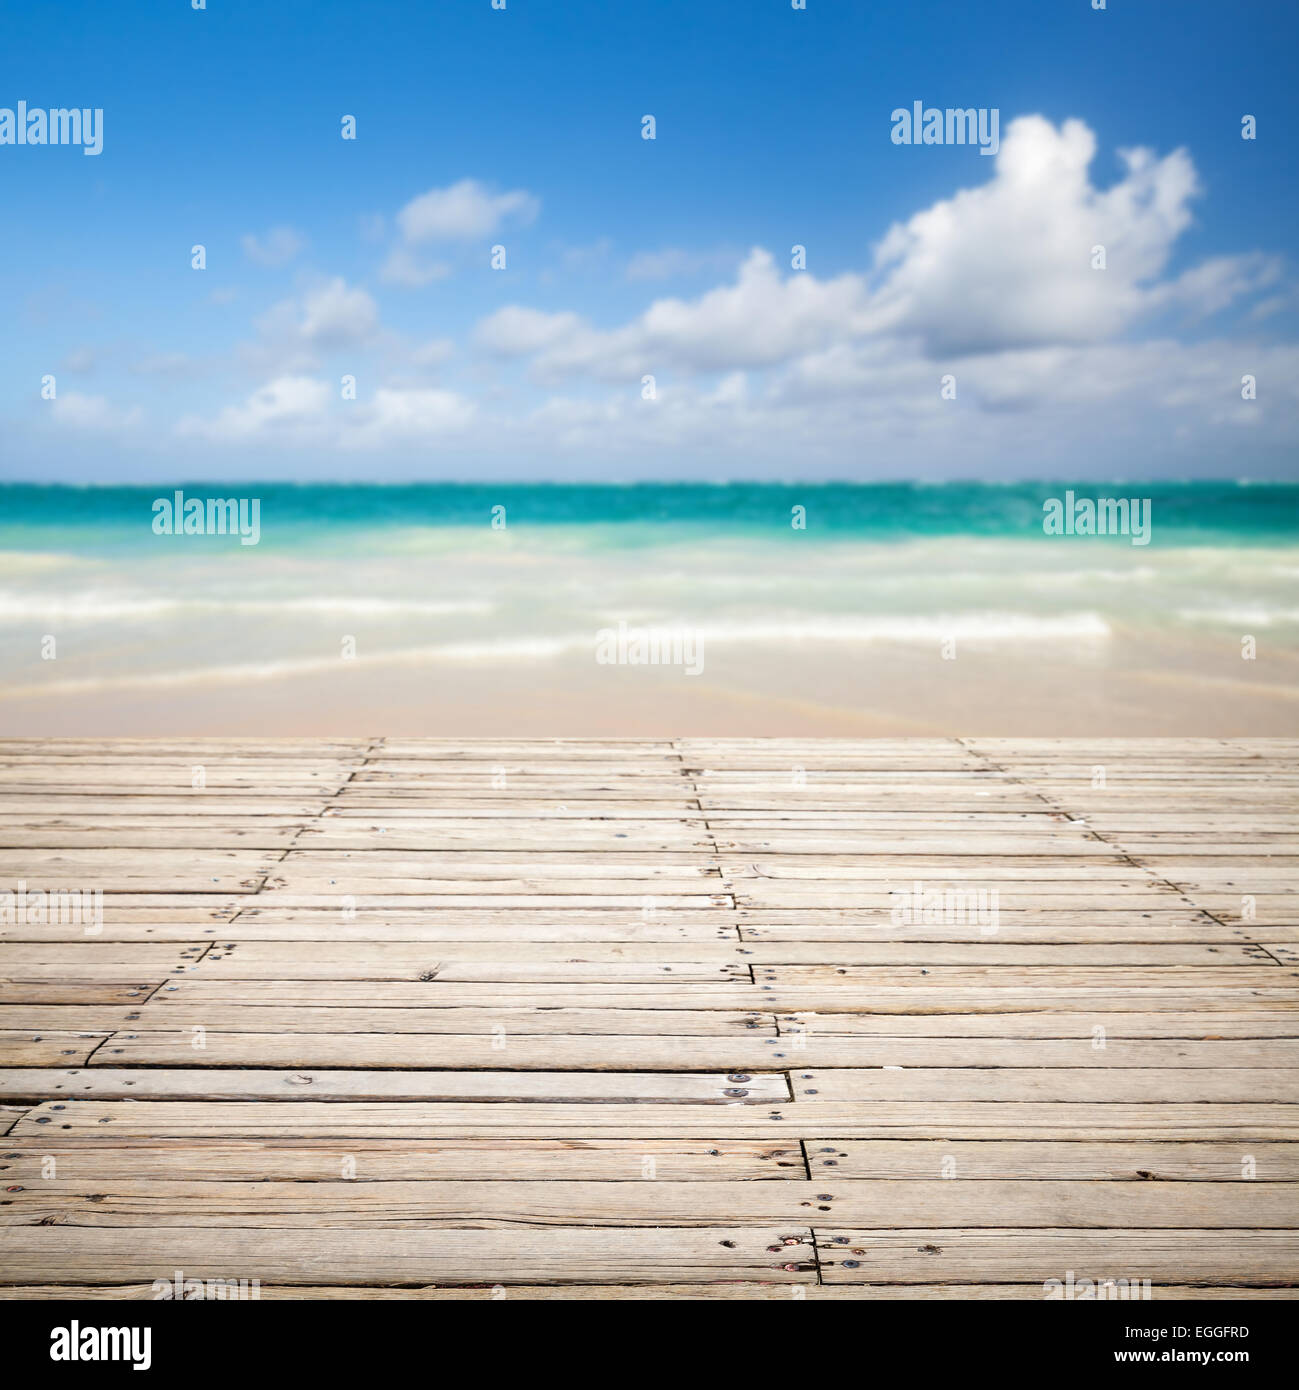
{"x": 445, "y": 575}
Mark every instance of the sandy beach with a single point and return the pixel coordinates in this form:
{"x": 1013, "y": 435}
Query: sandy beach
{"x": 1133, "y": 687}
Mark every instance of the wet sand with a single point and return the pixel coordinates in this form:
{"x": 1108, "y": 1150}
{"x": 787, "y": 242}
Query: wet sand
{"x": 1131, "y": 684}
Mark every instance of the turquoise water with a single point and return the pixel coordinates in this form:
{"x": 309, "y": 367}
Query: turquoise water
{"x": 418, "y": 577}
{"x": 33, "y": 516}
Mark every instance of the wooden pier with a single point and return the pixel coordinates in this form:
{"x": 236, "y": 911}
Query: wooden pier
{"x": 676, "y": 1019}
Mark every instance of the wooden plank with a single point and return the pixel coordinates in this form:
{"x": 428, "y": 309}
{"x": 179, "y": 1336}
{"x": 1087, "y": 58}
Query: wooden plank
{"x": 292, "y": 1085}
{"x": 155, "y": 1203}
{"x": 138, "y": 1020}
{"x": 90, "y": 1159}
{"x": 10, "y": 1115}
{"x": 611, "y": 1052}
{"x": 1047, "y": 1083}
{"x": 1275, "y": 980}
{"x": 384, "y": 1256}
{"x": 779, "y": 1121}
{"x": 19, "y": 1049}
{"x": 77, "y": 994}
{"x": 733, "y": 996}
{"x": 1079, "y": 1159}
{"x": 929, "y": 1255}
{"x": 1048, "y": 1023}
{"x": 254, "y": 925}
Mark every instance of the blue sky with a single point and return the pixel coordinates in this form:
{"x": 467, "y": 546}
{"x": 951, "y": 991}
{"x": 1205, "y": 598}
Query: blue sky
{"x": 670, "y": 258}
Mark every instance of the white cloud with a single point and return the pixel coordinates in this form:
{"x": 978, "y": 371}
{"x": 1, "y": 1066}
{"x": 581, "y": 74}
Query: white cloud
{"x": 334, "y": 315}
{"x": 760, "y": 320}
{"x": 410, "y": 416}
{"x": 1215, "y": 284}
{"x": 462, "y": 211}
{"x": 1009, "y": 264}
{"x": 291, "y": 408}
{"x": 303, "y": 411}
{"x": 516, "y": 331}
{"x": 329, "y": 316}
{"x": 278, "y": 247}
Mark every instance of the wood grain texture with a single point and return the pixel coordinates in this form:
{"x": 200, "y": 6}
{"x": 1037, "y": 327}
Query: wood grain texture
{"x": 717, "y": 1018}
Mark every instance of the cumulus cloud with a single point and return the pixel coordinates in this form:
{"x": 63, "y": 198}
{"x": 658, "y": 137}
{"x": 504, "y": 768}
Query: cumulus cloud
{"x": 761, "y": 320}
{"x": 276, "y": 248}
{"x": 290, "y": 408}
{"x": 328, "y": 316}
{"x": 336, "y": 315}
{"x": 516, "y": 331}
{"x": 463, "y": 211}
{"x": 397, "y": 417}
{"x": 1009, "y": 264}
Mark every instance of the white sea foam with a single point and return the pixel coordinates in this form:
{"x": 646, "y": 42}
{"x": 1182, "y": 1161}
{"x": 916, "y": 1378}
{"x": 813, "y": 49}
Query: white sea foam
{"x": 1244, "y": 617}
{"x": 926, "y": 629}
{"x": 93, "y": 607}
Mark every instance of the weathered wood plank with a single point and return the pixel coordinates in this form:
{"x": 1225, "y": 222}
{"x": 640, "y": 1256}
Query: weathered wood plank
{"x": 293, "y": 1086}
{"x": 778, "y": 1121}
{"x": 384, "y": 1256}
{"x": 838, "y": 1202}
{"x": 926, "y": 1256}
{"x": 42, "y": 1049}
{"x": 500, "y": 1050}
{"x": 137, "y": 1020}
{"x": 1047, "y": 1083}
{"x": 1077, "y": 1159}
{"x": 91, "y": 1159}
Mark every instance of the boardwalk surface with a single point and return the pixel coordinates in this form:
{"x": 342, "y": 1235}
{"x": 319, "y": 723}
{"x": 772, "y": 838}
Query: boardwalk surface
{"x": 726, "y": 1019}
